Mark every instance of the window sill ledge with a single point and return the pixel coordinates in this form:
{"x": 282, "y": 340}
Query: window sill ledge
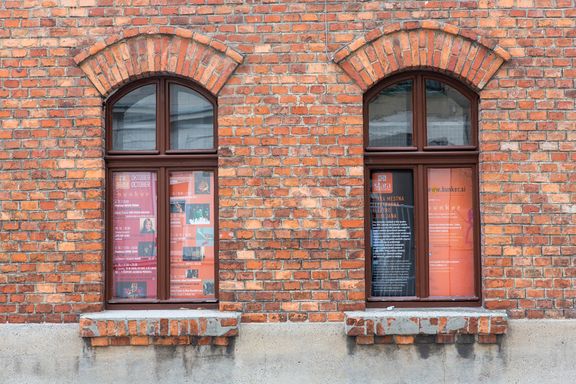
{"x": 426, "y": 325}
{"x": 159, "y": 327}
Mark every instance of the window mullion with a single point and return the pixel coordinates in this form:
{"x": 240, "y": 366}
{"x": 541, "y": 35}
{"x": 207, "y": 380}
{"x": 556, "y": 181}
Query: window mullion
{"x": 476, "y": 231}
{"x": 424, "y": 229}
{"x": 420, "y": 233}
{"x": 418, "y": 111}
{"x": 162, "y": 220}
{"x": 159, "y": 110}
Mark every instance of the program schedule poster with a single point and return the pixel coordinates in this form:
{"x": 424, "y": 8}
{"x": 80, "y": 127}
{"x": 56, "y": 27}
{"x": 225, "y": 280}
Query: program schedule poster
{"x": 392, "y": 234}
{"x": 134, "y": 235}
{"x": 451, "y": 232}
{"x": 192, "y": 235}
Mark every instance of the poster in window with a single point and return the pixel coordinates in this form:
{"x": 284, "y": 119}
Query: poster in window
{"x": 192, "y": 235}
{"x": 392, "y": 234}
{"x": 134, "y": 234}
{"x": 451, "y": 232}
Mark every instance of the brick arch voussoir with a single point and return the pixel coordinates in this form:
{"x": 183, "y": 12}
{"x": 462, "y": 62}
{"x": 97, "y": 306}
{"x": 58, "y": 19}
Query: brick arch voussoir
{"x": 442, "y": 47}
{"x": 141, "y": 52}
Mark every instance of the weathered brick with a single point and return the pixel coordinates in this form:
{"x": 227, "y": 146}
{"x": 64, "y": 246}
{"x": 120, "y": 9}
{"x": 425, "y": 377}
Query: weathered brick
{"x": 365, "y": 340}
{"x": 403, "y": 339}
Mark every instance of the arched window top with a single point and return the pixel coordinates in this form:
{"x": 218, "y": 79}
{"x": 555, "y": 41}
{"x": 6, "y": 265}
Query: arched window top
{"x": 420, "y": 111}
{"x": 161, "y": 116}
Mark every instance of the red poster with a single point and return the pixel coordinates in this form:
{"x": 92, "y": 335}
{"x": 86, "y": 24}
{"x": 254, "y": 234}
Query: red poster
{"x": 192, "y": 235}
{"x": 451, "y": 233}
{"x": 134, "y": 241}
{"x": 382, "y": 182}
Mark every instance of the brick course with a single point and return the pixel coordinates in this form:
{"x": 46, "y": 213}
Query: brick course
{"x": 290, "y": 136}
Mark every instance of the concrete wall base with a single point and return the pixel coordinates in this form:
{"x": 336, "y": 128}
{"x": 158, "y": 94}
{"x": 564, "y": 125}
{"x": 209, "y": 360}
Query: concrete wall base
{"x": 534, "y": 351}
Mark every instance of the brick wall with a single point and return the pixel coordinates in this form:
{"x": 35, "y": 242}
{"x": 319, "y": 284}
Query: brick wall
{"x": 290, "y": 136}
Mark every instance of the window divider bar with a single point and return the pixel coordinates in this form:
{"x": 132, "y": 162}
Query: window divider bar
{"x": 161, "y": 112}
{"x": 367, "y": 230}
{"x": 161, "y": 231}
{"x": 425, "y": 231}
{"x": 108, "y": 260}
{"x": 477, "y": 231}
{"x": 420, "y": 239}
{"x": 419, "y": 113}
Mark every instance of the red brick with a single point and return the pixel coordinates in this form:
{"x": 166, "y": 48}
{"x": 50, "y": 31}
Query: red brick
{"x": 365, "y": 340}
{"x": 139, "y": 340}
{"x": 100, "y": 341}
{"x": 403, "y": 340}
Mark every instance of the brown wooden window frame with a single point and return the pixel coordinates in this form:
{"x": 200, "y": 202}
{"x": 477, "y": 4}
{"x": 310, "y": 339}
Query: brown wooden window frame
{"x": 163, "y": 161}
{"x": 418, "y": 158}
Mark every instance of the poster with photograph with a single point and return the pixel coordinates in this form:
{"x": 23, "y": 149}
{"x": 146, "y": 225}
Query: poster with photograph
{"x": 451, "y": 232}
{"x": 197, "y": 213}
{"x": 202, "y": 183}
{"x": 192, "y": 235}
{"x": 134, "y": 241}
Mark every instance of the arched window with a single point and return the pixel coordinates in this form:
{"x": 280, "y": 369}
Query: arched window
{"x": 421, "y": 170}
{"x": 162, "y": 213}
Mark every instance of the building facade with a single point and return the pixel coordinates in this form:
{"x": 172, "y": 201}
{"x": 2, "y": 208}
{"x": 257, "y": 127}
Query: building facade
{"x": 305, "y": 107}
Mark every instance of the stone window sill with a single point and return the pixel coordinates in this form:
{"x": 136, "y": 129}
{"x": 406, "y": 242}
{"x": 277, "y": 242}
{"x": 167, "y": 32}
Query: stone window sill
{"x": 159, "y": 327}
{"x": 426, "y": 325}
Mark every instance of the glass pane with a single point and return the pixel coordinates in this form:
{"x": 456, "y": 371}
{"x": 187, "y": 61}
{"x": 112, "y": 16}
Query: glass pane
{"x": 192, "y": 235}
{"x": 134, "y": 120}
{"x": 447, "y": 115}
{"x": 134, "y": 237}
{"x": 451, "y": 232}
{"x": 392, "y": 234}
{"x": 390, "y": 115}
{"x": 191, "y": 119}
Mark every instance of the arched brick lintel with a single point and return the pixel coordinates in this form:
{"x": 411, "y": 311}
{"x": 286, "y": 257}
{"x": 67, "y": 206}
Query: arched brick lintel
{"x": 426, "y": 44}
{"x": 139, "y": 52}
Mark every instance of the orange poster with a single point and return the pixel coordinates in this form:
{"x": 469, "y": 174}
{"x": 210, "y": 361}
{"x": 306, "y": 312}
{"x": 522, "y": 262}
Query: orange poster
{"x": 192, "y": 235}
{"x": 451, "y": 233}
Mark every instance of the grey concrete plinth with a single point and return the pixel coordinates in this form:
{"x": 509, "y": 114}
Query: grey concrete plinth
{"x": 534, "y": 351}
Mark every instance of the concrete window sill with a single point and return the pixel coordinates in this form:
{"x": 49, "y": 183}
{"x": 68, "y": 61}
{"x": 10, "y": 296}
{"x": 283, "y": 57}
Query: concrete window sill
{"x": 425, "y": 325}
{"x": 159, "y": 327}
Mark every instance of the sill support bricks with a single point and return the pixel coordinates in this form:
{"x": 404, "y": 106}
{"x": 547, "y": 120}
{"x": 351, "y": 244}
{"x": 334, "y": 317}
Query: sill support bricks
{"x": 159, "y": 327}
{"x": 440, "y": 326}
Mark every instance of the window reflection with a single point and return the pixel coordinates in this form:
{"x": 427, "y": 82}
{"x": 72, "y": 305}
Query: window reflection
{"x": 391, "y": 117}
{"x": 191, "y": 119}
{"x": 134, "y": 120}
{"x": 447, "y": 115}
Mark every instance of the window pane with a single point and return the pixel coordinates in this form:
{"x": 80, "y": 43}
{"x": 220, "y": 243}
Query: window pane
{"x": 451, "y": 232}
{"x": 447, "y": 115}
{"x": 390, "y": 115}
{"x": 192, "y": 235}
{"x": 134, "y": 120}
{"x": 392, "y": 234}
{"x": 134, "y": 236}
{"x": 191, "y": 119}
